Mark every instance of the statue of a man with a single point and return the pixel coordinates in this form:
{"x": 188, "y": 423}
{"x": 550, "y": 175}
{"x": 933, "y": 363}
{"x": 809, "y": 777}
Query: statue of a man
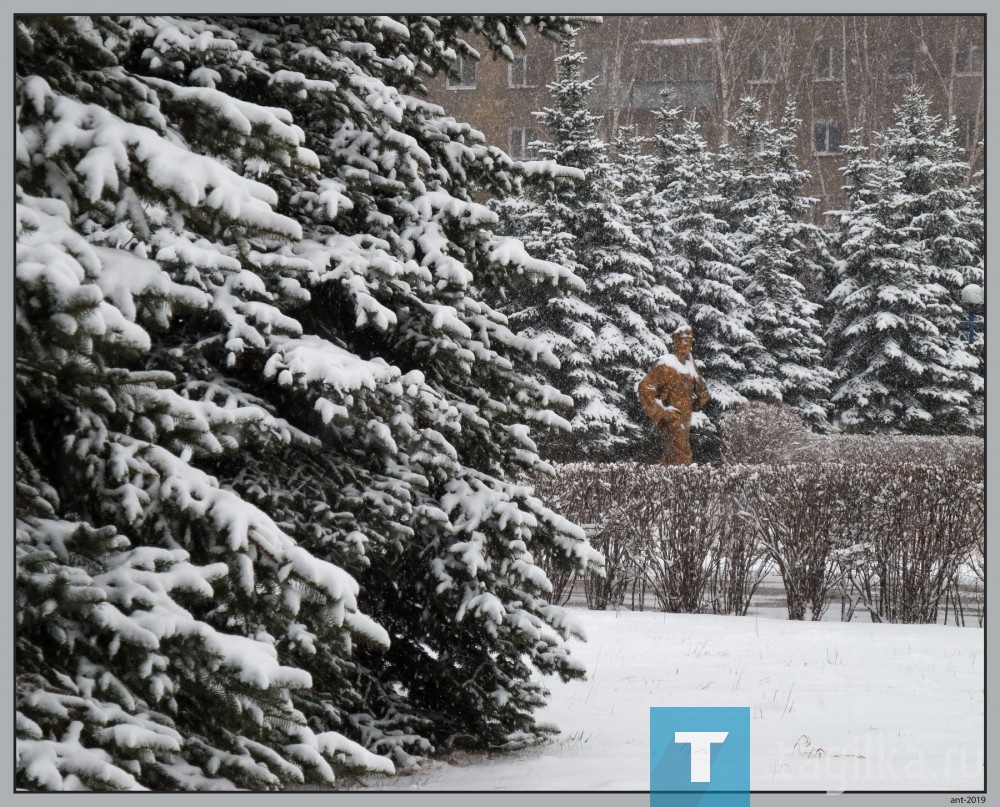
{"x": 670, "y": 392}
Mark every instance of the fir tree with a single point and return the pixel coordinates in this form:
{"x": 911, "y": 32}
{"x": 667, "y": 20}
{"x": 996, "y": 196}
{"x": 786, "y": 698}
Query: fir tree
{"x": 978, "y": 346}
{"x": 951, "y": 225}
{"x": 725, "y": 347}
{"x": 606, "y": 334}
{"x": 907, "y": 246}
{"x": 658, "y": 295}
{"x": 654, "y": 300}
{"x": 759, "y": 180}
{"x": 810, "y": 244}
{"x": 255, "y": 370}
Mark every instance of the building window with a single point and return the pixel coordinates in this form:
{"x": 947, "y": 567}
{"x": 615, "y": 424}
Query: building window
{"x": 463, "y": 75}
{"x": 827, "y": 137}
{"x": 969, "y": 58}
{"x": 902, "y": 64}
{"x": 829, "y": 63}
{"x": 966, "y": 132}
{"x": 520, "y": 142}
{"x": 696, "y": 66}
{"x": 671, "y": 65}
{"x": 684, "y": 65}
{"x": 763, "y": 69}
{"x": 602, "y": 66}
{"x": 517, "y": 73}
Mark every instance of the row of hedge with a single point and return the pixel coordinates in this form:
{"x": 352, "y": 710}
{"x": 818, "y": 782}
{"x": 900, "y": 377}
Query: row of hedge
{"x": 760, "y": 432}
{"x": 900, "y": 541}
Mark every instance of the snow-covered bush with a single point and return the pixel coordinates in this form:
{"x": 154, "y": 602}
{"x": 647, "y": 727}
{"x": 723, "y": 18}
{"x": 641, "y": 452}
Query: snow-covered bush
{"x": 890, "y": 538}
{"x": 594, "y": 501}
{"x": 675, "y": 533}
{"x": 898, "y": 449}
{"x": 761, "y": 432}
{"x": 973, "y": 570}
{"x": 806, "y": 518}
{"x": 690, "y": 526}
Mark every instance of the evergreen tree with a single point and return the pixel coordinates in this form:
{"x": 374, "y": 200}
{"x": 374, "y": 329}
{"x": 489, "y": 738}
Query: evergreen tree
{"x": 908, "y": 247}
{"x": 654, "y": 300}
{"x": 725, "y": 348}
{"x": 811, "y": 245}
{"x": 605, "y": 335}
{"x": 255, "y": 369}
{"x": 759, "y": 180}
{"x": 952, "y": 227}
{"x": 559, "y": 315}
{"x": 658, "y": 294}
{"x": 978, "y": 346}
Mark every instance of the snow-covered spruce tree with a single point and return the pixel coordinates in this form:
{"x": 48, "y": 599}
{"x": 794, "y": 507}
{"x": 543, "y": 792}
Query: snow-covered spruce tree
{"x": 759, "y": 180}
{"x": 252, "y": 358}
{"x": 558, "y": 315}
{"x": 811, "y": 253}
{"x": 951, "y": 226}
{"x": 154, "y": 605}
{"x": 606, "y": 335}
{"x": 634, "y": 175}
{"x": 655, "y": 298}
{"x": 978, "y": 346}
{"x": 907, "y": 247}
{"x": 705, "y": 253}
{"x": 460, "y": 544}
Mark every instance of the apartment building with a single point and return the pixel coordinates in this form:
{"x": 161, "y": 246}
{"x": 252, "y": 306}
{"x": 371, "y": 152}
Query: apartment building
{"x": 844, "y": 73}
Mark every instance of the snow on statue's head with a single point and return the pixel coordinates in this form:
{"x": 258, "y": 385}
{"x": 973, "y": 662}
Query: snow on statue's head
{"x": 683, "y": 339}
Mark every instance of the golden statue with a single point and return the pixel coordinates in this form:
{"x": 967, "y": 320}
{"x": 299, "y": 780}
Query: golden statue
{"x": 670, "y": 392}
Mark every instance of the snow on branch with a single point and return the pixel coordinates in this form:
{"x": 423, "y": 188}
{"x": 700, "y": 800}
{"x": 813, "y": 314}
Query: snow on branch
{"x": 110, "y": 145}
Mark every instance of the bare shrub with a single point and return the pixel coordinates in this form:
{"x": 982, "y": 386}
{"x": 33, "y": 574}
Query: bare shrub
{"x": 923, "y": 525}
{"x": 759, "y": 433}
{"x": 562, "y": 576}
{"x": 592, "y": 496}
{"x": 965, "y": 595}
{"x": 610, "y": 589}
{"x": 670, "y": 532}
{"x": 884, "y": 449}
{"x": 804, "y": 516}
{"x": 764, "y": 433}
{"x": 681, "y": 518}
{"x": 976, "y": 560}
{"x": 893, "y": 539}
{"x": 741, "y": 561}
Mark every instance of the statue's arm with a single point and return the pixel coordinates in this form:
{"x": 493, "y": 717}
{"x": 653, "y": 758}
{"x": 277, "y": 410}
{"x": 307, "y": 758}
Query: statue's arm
{"x": 701, "y": 396}
{"x": 649, "y": 396}
{"x": 653, "y": 389}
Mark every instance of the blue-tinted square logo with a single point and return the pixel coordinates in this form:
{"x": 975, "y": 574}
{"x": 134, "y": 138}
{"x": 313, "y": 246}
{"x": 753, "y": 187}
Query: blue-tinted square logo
{"x": 699, "y": 756}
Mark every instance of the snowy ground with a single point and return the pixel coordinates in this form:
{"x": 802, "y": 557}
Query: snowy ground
{"x": 835, "y": 706}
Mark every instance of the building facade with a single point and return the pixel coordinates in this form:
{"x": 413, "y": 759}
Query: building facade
{"x": 844, "y": 73}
